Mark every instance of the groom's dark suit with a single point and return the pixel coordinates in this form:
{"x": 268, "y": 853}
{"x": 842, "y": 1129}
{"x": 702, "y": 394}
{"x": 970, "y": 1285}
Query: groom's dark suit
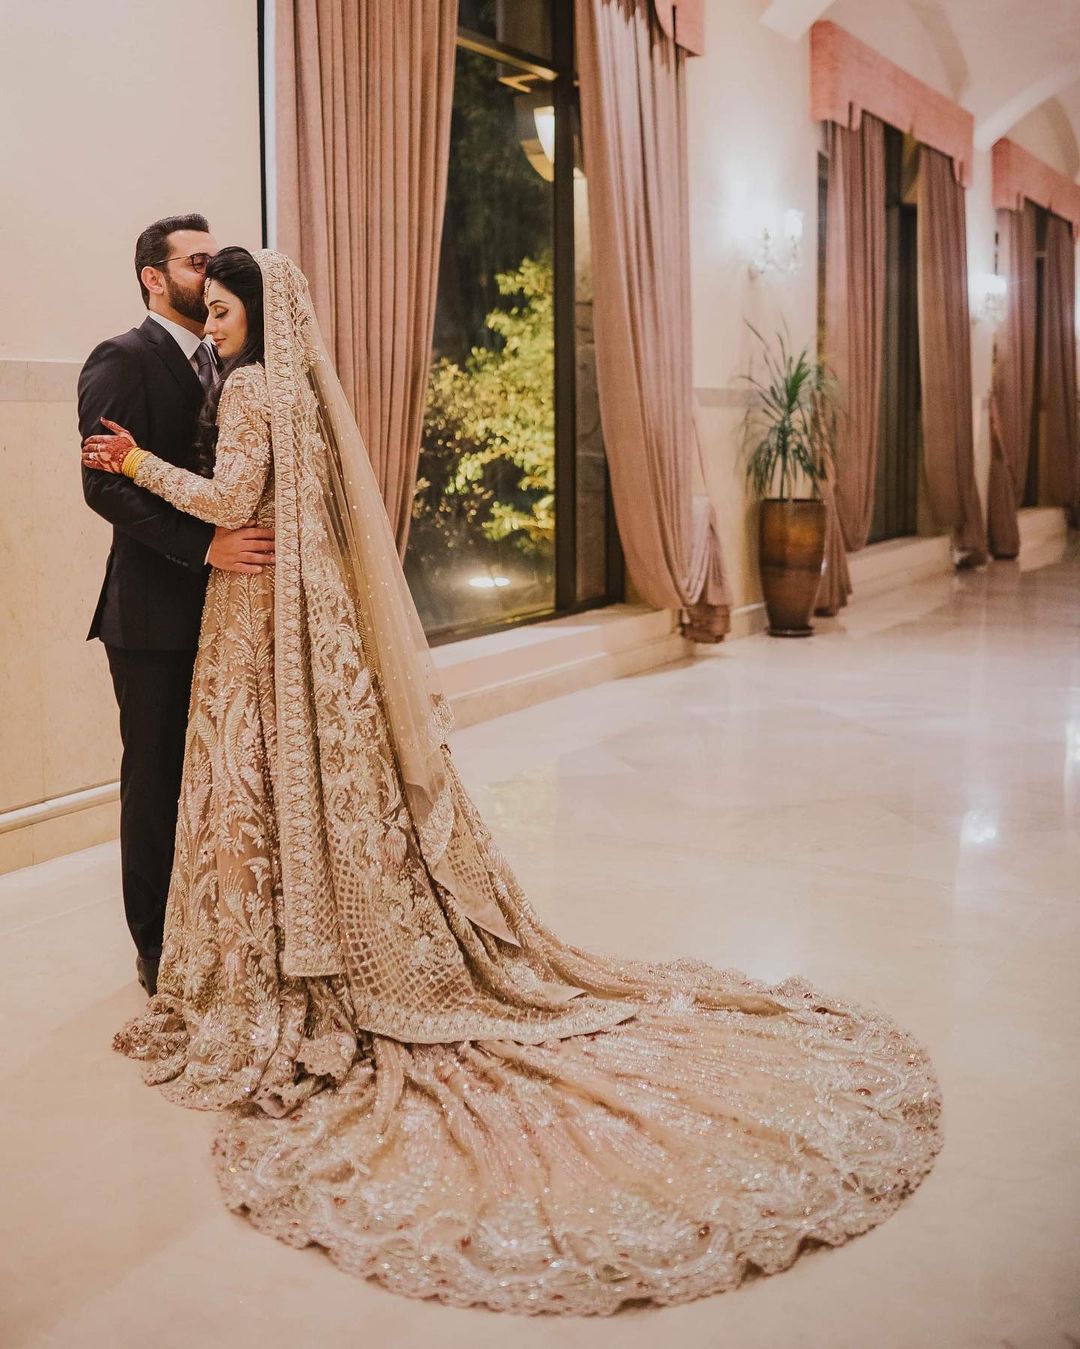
{"x": 150, "y": 606}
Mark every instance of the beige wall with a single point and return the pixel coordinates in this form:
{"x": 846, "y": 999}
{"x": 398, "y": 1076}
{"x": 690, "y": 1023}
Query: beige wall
{"x": 752, "y": 156}
{"x": 123, "y": 112}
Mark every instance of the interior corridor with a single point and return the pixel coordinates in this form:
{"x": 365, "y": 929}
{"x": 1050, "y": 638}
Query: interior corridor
{"x": 891, "y": 809}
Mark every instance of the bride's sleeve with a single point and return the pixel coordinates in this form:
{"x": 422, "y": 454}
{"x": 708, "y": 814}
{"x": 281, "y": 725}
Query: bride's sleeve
{"x": 242, "y": 463}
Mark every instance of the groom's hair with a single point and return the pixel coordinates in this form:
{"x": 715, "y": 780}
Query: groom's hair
{"x": 151, "y": 244}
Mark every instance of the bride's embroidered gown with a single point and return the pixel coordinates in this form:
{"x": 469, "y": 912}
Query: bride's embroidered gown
{"x": 469, "y": 1108}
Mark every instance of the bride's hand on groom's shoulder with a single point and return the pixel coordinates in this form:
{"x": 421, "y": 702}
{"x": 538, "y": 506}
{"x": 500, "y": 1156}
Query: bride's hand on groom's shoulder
{"x": 108, "y": 452}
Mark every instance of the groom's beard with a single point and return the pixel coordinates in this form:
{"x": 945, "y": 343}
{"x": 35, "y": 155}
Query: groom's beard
{"x": 190, "y": 303}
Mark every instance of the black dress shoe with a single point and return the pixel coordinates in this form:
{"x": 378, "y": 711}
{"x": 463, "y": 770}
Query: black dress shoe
{"x": 146, "y": 968}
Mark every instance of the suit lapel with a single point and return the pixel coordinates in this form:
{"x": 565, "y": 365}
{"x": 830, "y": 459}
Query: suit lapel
{"x": 174, "y": 360}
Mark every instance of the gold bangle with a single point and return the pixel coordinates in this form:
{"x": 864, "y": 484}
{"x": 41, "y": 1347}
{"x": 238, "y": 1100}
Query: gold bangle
{"x": 132, "y": 460}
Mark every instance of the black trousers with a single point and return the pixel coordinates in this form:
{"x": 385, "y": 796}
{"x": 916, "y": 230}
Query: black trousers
{"x": 152, "y": 691}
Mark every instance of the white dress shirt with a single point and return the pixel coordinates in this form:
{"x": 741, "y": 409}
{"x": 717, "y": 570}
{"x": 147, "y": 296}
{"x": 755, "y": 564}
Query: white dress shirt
{"x": 188, "y": 342}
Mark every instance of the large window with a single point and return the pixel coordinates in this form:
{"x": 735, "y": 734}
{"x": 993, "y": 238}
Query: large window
{"x": 511, "y": 519}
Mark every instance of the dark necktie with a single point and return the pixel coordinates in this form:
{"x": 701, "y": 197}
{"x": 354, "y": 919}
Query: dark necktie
{"x": 206, "y": 366}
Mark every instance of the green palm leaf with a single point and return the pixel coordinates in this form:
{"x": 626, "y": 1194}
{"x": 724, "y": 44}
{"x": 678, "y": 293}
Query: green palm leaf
{"x": 789, "y": 429}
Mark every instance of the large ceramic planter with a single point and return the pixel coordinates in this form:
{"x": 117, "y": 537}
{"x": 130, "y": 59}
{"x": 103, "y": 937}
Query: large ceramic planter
{"x": 791, "y": 548}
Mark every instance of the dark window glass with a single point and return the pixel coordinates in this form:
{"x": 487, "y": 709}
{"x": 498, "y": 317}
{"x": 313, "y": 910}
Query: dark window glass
{"x": 481, "y": 547}
{"x": 511, "y": 518}
{"x": 900, "y": 421}
{"x": 522, "y": 24}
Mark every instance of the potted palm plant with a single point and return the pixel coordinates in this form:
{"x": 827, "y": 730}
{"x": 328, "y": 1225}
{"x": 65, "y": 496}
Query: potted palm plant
{"x": 787, "y": 442}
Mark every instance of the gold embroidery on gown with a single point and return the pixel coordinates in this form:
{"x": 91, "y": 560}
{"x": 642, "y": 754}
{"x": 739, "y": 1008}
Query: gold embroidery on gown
{"x": 417, "y": 1074}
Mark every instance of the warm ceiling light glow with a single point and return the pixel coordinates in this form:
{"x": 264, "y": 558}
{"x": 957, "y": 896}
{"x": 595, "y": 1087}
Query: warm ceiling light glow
{"x": 545, "y": 120}
{"x": 545, "y": 130}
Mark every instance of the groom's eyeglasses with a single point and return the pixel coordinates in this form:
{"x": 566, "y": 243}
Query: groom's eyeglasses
{"x": 196, "y": 261}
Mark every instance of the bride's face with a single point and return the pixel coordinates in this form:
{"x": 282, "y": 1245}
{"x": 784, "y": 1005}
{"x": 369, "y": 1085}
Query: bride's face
{"x": 226, "y": 322}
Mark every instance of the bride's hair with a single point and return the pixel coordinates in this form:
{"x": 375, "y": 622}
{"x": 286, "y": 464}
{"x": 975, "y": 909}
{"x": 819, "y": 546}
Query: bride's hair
{"x": 239, "y": 273}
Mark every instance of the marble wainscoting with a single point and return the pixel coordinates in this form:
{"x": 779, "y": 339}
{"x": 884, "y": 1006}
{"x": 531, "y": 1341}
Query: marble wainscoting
{"x": 58, "y": 722}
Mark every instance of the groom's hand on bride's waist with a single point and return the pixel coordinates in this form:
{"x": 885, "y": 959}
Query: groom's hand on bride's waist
{"x": 248, "y": 549}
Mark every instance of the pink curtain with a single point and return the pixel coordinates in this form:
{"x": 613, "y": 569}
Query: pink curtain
{"x": 684, "y": 21}
{"x": 363, "y": 97}
{"x": 634, "y": 131}
{"x": 1061, "y": 462}
{"x": 1013, "y": 388}
{"x": 848, "y": 79}
{"x": 854, "y": 340}
{"x": 945, "y": 356}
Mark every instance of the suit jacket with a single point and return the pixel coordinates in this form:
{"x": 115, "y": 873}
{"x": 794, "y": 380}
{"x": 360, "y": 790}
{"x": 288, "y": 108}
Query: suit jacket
{"x": 155, "y": 578}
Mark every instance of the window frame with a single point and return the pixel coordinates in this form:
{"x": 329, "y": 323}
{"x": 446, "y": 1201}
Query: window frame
{"x": 558, "y": 69}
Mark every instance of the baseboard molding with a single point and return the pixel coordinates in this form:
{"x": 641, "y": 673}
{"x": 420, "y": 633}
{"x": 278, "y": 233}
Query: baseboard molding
{"x": 748, "y": 620}
{"x": 486, "y": 677}
{"x": 1044, "y": 536}
{"x": 896, "y": 563}
{"x": 61, "y": 825}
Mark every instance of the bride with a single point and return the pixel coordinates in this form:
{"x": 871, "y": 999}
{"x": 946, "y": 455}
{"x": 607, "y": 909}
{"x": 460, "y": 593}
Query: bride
{"x": 418, "y": 1075}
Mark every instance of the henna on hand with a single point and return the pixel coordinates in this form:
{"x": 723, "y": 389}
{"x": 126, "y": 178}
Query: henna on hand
{"x": 107, "y": 452}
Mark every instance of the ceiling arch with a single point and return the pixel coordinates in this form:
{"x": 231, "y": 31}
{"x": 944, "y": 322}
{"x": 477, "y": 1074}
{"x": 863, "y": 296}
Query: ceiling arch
{"x": 793, "y": 18}
{"x": 936, "y": 23}
{"x": 1003, "y": 118}
{"x": 1000, "y": 59}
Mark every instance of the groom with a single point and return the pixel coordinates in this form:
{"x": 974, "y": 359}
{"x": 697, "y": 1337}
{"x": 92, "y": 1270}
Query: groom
{"x": 153, "y": 380}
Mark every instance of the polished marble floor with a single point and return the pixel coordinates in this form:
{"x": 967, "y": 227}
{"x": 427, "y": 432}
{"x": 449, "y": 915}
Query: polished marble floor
{"x": 891, "y": 809}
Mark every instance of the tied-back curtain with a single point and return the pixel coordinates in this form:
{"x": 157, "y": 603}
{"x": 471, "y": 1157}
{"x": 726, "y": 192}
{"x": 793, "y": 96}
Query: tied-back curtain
{"x": 945, "y": 356}
{"x": 363, "y": 96}
{"x": 633, "y": 116}
{"x": 1013, "y": 388}
{"x": 854, "y": 340}
{"x": 1061, "y": 462}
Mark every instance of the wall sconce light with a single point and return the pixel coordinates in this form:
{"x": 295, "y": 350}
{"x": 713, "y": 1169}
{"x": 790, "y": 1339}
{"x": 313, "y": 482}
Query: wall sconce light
{"x": 544, "y": 120}
{"x": 779, "y": 252}
{"x": 989, "y": 299}
{"x": 535, "y": 114}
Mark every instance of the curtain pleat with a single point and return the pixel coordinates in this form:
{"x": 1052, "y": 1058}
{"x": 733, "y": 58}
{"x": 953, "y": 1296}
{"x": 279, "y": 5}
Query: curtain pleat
{"x": 1013, "y": 388}
{"x": 364, "y": 90}
{"x": 1061, "y": 462}
{"x": 854, "y": 341}
{"x": 945, "y": 356}
{"x": 633, "y": 110}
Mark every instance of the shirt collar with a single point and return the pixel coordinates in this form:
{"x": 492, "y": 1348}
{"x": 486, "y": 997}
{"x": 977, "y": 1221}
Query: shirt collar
{"x": 187, "y": 341}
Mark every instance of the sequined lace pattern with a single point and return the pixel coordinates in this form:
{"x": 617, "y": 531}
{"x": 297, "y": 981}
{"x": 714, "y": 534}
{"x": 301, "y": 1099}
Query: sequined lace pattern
{"x": 522, "y": 1125}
